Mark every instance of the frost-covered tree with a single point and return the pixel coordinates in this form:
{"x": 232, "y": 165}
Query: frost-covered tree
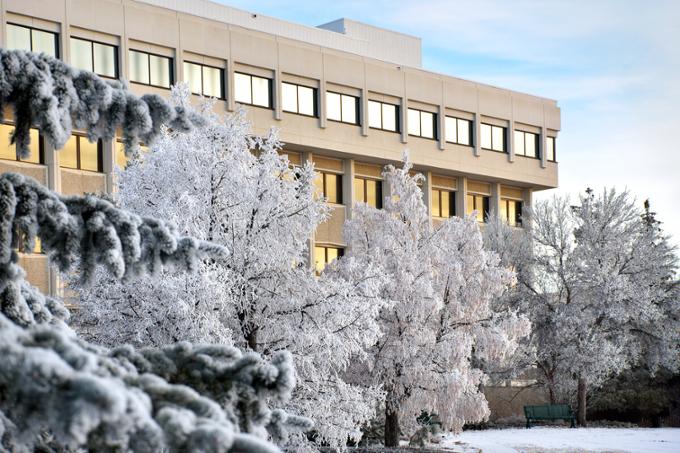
{"x": 61, "y": 393}
{"x": 437, "y": 318}
{"x": 597, "y": 281}
{"x": 222, "y": 184}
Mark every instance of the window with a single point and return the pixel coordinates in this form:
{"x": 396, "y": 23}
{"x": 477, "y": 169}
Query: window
{"x": 511, "y": 212}
{"x": 95, "y": 57}
{"x": 253, "y": 90}
{"x": 32, "y": 40}
{"x": 205, "y": 80}
{"x": 323, "y": 256}
{"x": 368, "y": 191}
{"x": 81, "y": 154}
{"x": 493, "y": 137}
{"x": 298, "y": 99}
{"x": 8, "y": 151}
{"x": 479, "y": 203}
{"x": 150, "y": 69}
{"x": 342, "y": 107}
{"x": 329, "y": 186}
{"x": 443, "y": 203}
{"x": 550, "y": 151}
{"x": 121, "y": 158}
{"x": 383, "y": 116}
{"x": 457, "y": 130}
{"x": 526, "y": 144}
{"x": 422, "y": 124}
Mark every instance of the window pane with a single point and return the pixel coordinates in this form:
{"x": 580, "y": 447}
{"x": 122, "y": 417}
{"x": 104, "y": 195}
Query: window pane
{"x": 242, "y": 91}
{"x": 89, "y": 155}
{"x": 34, "y": 158}
{"x": 498, "y": 140}
{"x": 512, "y": 212}
{"x": 333, "y": 106}
{"x": 427, "y": 124}
{"x": 463, "y": 132}
{"x": 289, "y": 97}
{"x": 68, "y": 156}
{"x": 530, "y": 143}
{"x": 319, "y": 259}
{"x": 470, "y": 204}
{"x": 479, "y": 207}
{"x": 44, "y": 41}
{"x": 374, "y": 114}
{"x": 450, "y": 134}
{"x": 121, "y": 159}
{"x": 159, "y": 71}
{"x": 389, "y": 117}
{"x": 359, "y": 190}
{"x": 486, "y": 136}
{"x": 519, "y": 143}
{"x": 212, "y": 82}
{"x": 81, "y": 54}
{"x": 445, "y": 204}
{"x": 349, "y": 109}
{"x": 306, "y": 101}
{"x": 7, "y": 151}
{"x": 104, "y": 60}
{"x": 436, "y": 208}
{"x": 413, "y": 122}
{"x": 332, "y": 188}
{"x": 550, "y": 144}
{"x": 261, "y": 92}
{"x": 331, "y": 254}
{"x": 192, "y": 76}
{"x": 139, "y": 67}
{"x": 503, "y": 214}
{"x": 371, "y": 193}
{"x": 18, "y": 37}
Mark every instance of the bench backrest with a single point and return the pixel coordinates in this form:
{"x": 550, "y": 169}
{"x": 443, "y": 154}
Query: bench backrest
{"x": 548, "y": 411}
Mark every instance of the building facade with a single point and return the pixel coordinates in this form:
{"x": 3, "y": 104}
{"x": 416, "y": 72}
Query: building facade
{"x": 347, "y": 96}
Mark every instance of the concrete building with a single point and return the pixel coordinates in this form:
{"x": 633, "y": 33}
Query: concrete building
{"x": 348, "y": 96}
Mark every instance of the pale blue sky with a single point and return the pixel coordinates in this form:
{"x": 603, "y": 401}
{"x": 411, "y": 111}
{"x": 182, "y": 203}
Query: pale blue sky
{"x": 612, "y": 65}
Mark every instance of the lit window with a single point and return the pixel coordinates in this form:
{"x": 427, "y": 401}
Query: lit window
{"x": 298, "y": 99}
{"x": 368, "y": 191}
{"x": 421, "y": 124}
{"x": 342, "y": 107}
{"x": 526, "y": 144}
{"x": 205, "y": 80}
{"x": 383, "y": 116}
{"x": 329, "y": 186}
{"x": 323, "y": 256}
{"x": 81, "y": 154}
{"x": 8, "y": 151}
{"x": 32, "y": 40}
{"x": 457, "y": 130}
{"x": 253, "y": 90}
{"x": 550, "y": 149}
{"x": 443, "y": 203}
{"x": 121, "y": 158}
{"x": 511, "y": 212}
{"x": 95, "y": 57}
{"x": 149, "y": 69}
{"x": 478, "y": 204}
{"x": 492, "y": 137}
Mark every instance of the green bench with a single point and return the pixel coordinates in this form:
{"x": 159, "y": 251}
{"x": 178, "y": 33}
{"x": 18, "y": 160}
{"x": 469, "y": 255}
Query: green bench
{"x": 549, "y": 412}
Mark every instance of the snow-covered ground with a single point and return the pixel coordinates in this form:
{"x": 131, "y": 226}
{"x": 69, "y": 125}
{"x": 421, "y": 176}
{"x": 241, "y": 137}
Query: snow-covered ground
{"x": 566, "y": 440}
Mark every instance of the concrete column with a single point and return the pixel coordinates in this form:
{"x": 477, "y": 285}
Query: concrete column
{"x": 495, "y": 199}
{"x": 51, "y": 158}
{"x": 65, "y": 36}
{"x": 511, "y": 141}
{"x": 276, "y": 89}
{"x": 3, "y": 26}
{"x": 109, "y": 163}
{"x": 363, "y": 111}
{"x": 543, "y": 146}
{"x": 477, "y": 132}
{"x": 441, "y": 127}
{"x": 527, "y": 200}
{"x": 403, "y": 119}
{"x": 348, "y": 187}
{"x": 322, "y": 103}
{"x": 461, "y": 196}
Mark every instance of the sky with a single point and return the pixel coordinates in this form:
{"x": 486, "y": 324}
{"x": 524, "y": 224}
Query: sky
{"x": 612, "y": 65}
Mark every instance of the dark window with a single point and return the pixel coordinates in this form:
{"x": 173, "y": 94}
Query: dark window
{"x": 298, "y": 99}
{"x": 253, "y": 90}
{"x": 480, "y": 204}
{"x": 492, "y": 137}
{"x": 205, "y": 80}
{"x": 383, "y": 116}
{"x": 342, "y": 107}
{"x": 329, "y": 186}
{"x": 102, "y": 59}
{"x": 368, "y": 191}
{"x": 511, "y": 212}
{"x": 32, "y": 40}
{"x": 150, "y": 69}
{"x": 81, "y": 154}
{"x": 8, "y": 151}
{"x": 443, "y": 203}
{"x": 550, "y": 151}
{"x": 325, "y": 255}
{"x": 526, "y": 144}
{"x": 422, "y": 124}
{"x": 458, "y": 130}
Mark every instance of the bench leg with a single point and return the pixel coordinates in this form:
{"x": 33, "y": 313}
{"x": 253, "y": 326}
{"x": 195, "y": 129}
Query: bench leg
{"x": 573, "y": 422}
{"x": 528, "y": 423}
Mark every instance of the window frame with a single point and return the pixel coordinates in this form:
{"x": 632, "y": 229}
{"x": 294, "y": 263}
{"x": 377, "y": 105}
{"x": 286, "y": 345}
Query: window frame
{"x": 41, "y": 148}
{"x": 222, "y": 96}
{"x": 100, "y": 155}
{"x": 341, "y": 253}
{"x": 339, "y": 176}
{"x": 486, "y": 205}
{"x": 397, "y": 123}
{"x": 457, "y": 119}
{"x": 505, "y": 138}
{"x": 554, "y": 148}
{"x": 524, "y": 141}
{"x": 30, "y": 29}
{"x": 148, "y": 64}
{"x": 315, "y": 98}
{"x": 452, "y": 202}
{"x": 518, "y": 212}
{"x": 92, "y": 42}
{"x": 435, "y": 131}
{"x": 270, "y": 84}
{"x": 357, "y": 105}
{"x": 378, "y": 192}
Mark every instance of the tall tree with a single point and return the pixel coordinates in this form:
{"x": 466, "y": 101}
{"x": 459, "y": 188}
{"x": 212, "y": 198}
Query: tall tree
{"x": 437, "y": 318}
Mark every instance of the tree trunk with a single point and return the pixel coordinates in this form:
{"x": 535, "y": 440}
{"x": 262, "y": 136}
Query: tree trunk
{"x": 581, "y": 415}
{"x": 391, "y": 426}
{"x": 551, "y": 393}
{"x": 251, "y": 338}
